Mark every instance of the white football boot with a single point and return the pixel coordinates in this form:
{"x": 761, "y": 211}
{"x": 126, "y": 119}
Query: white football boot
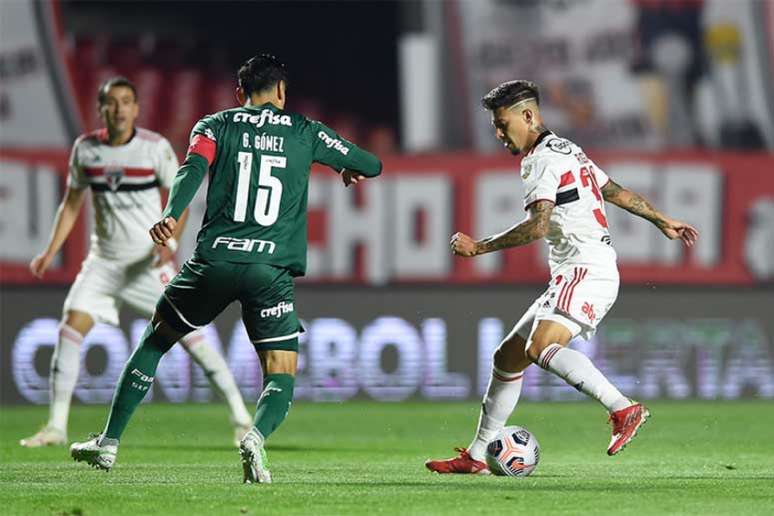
{"x": 255, "y": 465}
{"x": 99, "y": 452}
{"x": 48, "y": 436}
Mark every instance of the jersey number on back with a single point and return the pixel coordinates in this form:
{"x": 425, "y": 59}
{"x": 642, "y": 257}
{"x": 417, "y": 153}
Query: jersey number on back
{"x": 588, "y": 179}
{"x": 267, "y": 199}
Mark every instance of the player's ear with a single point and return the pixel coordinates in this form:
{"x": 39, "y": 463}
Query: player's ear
{"x": 281, "y": 91}
{"x": 240, "y": 95}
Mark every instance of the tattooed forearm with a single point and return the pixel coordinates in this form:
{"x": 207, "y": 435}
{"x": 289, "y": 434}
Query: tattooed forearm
{"x": 611, "y": 191}
{"x": 523, "y": 233}
{"x": 632, "y": 202}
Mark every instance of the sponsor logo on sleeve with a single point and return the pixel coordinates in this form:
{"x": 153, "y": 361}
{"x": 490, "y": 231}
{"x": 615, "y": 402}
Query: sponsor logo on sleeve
{"x": 333, "y": 143}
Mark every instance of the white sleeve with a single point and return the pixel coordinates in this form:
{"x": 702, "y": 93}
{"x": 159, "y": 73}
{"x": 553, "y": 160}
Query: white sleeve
{"x": 600, "y": 176}
{"x": 167, "y": 164}
{"x": 541, "y": 183}
{"x": 76, "y": 178}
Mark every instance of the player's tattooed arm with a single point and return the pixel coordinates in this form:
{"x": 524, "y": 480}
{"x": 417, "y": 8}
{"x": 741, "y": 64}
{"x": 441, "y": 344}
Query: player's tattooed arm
{"x": 534, "y": 228}
{"x": 632, "y": 202}
{"x": 638, "y": 205}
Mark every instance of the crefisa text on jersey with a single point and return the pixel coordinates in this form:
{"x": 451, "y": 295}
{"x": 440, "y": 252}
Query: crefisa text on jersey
{"x": 267, "y": 116}
{"x": 264, "y": 142}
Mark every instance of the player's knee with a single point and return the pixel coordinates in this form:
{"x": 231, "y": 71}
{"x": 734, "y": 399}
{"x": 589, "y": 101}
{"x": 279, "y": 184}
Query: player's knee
{"x": 536, "y": 345}
{"x": 278, "y": 361}
{"x": 166, "y": 316}
{"x": 81, "y": 322}
{"x": 510, "y": 355}
{"x": 499, "y": 358}
{"x": 165, "y": 332}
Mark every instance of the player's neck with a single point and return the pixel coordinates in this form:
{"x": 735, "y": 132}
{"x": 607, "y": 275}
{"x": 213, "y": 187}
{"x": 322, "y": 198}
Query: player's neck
{"x": 115, "y": 139}
{"x": 260, "y": 100}
{"x": 536, "y": 135}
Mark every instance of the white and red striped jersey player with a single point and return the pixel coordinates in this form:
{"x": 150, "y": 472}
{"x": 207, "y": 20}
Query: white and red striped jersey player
{"x": 125, "y": 183}
{"x": 584, "y": 274}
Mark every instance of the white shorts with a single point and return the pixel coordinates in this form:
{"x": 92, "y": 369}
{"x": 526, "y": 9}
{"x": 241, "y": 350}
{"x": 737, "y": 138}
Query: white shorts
{"x": 578, "y": 297}
{"x": 103, "y": 286}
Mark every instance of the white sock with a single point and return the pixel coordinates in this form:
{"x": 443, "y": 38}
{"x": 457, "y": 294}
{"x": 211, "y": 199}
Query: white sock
{"x": 65, "y": 365}
{"x": 576, "y": 369}
{"x": 500, "y": 399}
{"x": 217, "y": 371}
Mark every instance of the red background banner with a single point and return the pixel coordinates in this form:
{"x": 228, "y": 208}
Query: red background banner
{"x": 743, "y": 180}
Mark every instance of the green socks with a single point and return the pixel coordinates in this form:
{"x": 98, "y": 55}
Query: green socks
{"x": 135, "y": 380}
{"x": 274, "y": 403}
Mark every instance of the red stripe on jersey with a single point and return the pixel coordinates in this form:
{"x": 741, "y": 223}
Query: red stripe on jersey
{"x": 128, "y": 171}
{"x": 204, "y": 147}
{"x": 567, "y": 179}
{"x": 139, "y": 172}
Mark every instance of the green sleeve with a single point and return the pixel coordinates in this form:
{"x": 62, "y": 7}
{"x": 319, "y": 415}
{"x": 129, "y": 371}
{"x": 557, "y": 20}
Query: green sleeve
{"x": 210, "y": 126}
{"x": 331, "y": 149}
{"x": 187, "y": 181}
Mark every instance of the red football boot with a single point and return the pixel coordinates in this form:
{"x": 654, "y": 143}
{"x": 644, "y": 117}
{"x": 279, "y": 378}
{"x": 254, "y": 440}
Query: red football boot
{"x": 626, "y": 424}
{"x": 463, "y": 463}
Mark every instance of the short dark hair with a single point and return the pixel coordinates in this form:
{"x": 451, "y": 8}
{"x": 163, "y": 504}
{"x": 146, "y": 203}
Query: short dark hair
{"x": 509, "y": 93}
{"x": 261, "y": 72}
{"x": 112, "y": 82}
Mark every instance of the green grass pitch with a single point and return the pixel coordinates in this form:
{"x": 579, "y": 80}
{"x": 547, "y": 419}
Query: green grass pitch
{"x": 366, "y": 458}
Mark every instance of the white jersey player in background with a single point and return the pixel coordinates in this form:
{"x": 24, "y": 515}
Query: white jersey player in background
{"x": 125, "y": 167}
{"x": 564, "y": 197}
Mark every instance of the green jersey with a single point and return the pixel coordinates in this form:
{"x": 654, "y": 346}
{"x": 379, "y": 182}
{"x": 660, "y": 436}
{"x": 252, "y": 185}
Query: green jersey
{"x": 260, "y": 159}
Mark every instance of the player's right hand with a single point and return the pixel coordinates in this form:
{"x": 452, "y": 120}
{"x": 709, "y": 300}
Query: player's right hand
{"x": 39, "y": 264}
{"x": 163, "y": 230}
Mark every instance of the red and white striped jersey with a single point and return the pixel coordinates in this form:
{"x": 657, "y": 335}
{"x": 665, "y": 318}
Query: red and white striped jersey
{"x": 125, "y": 183}
{"x": 559, "y": 171}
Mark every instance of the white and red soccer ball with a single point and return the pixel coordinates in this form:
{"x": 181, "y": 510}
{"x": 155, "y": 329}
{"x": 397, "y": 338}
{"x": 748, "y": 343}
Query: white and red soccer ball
{"x": 515, "y": 452}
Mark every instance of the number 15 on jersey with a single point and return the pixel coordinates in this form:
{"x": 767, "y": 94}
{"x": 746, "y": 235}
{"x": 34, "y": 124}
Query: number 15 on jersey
{"x": 267, "y": 199}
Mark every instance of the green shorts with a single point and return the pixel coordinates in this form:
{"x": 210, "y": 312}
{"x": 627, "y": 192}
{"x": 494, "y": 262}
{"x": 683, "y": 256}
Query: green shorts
{"x": 202, "y": 289}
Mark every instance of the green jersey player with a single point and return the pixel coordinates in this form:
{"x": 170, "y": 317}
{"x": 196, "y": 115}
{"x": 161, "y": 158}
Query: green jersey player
{"x": 251, "y": 245}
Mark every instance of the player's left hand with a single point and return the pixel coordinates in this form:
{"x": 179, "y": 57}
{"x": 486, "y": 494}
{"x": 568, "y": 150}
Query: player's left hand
{"x": 674, "y": 229}
{"x": 163, "y": 230}
{"x": 351, "y": 177}
{"x": 463, "y": 245}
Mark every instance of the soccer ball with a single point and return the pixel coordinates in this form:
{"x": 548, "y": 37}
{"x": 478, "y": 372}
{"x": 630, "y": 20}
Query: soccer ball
{"x": 514, "y": 452}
